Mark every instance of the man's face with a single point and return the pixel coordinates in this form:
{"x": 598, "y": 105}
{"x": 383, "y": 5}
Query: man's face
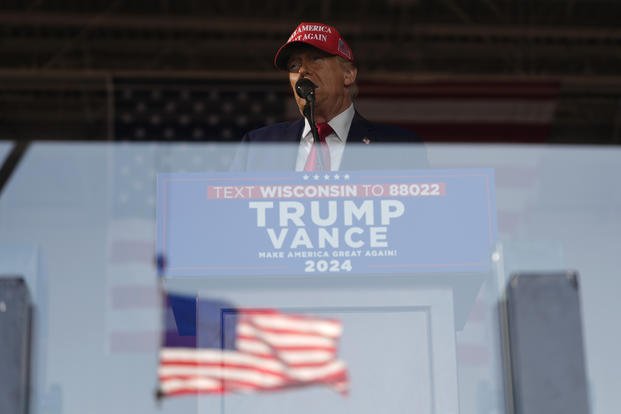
{"x": 332, "y": 77}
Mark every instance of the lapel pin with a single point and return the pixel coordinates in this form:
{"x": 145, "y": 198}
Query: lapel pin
{"x": 366, "y": 140}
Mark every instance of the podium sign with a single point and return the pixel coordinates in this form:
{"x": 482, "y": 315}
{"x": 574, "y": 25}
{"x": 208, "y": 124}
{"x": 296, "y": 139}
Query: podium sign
{"x": 418, "y": 221}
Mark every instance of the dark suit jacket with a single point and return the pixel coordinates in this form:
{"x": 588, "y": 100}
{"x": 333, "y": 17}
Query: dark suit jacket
{"x": 369, "y": 146}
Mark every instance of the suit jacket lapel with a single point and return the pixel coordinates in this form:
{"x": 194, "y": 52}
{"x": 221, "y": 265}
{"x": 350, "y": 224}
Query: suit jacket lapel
{"x": 360, "y": 132}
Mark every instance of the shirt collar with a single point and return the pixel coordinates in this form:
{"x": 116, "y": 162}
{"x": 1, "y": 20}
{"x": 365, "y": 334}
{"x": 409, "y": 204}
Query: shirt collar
{"x": 340, "y": 124}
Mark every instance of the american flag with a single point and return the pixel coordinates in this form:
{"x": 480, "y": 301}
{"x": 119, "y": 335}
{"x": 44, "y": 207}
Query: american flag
{"x": 437, "y": 110}
{"x": 210, "y": 347}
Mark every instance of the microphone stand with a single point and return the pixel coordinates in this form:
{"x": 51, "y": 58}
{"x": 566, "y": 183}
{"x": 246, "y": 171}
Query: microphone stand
{"x": 309, "y": 112}
{"x": 306, "y": 90}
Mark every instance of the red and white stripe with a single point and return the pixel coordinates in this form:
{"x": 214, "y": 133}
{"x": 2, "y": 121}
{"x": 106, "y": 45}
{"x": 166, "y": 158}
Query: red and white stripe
{"x": 133, "y": 299}
{"x": 274, "y": 351}
{"x": 461, "y": 111}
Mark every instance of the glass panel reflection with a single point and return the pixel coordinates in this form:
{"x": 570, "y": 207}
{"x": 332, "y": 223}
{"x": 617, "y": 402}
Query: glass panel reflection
{"x": 78, "y": 222}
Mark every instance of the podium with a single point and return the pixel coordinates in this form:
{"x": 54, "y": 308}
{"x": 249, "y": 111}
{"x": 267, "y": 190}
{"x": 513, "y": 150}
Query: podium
{"x": 400, "y": 283}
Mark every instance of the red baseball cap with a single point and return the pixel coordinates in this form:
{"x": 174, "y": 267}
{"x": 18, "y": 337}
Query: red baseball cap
{"x": 318, "y": 35}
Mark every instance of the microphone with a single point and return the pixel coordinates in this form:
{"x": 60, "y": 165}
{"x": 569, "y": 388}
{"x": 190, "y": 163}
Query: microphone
{"x": 305, "y": 89}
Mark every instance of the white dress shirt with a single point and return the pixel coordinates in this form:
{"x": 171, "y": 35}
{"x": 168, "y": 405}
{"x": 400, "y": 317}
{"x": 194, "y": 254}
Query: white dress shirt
{"x": 336, "y": 141}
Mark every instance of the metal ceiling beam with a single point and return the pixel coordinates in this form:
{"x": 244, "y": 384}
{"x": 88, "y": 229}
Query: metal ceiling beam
{"x": 276, "y": 27}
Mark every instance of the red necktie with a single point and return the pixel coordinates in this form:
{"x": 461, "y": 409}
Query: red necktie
{"x": 312, "y": 162}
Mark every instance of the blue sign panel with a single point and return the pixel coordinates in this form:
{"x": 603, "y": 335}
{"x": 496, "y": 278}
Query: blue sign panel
{"x": 420, "y": 221}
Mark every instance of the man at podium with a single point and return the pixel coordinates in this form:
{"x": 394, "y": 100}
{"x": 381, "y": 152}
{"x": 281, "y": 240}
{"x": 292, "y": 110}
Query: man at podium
{"x": 322, "y": 73}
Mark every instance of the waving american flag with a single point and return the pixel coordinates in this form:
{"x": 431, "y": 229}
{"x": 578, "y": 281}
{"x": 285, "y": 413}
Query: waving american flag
{"x": 211, "y": 347}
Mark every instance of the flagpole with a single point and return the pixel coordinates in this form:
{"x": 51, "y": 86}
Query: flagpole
{"x": 160, "y": 266}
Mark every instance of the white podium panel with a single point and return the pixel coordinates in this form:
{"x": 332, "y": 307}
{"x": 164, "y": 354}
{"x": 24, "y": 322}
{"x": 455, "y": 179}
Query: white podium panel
{"x": 398, "y": 345}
